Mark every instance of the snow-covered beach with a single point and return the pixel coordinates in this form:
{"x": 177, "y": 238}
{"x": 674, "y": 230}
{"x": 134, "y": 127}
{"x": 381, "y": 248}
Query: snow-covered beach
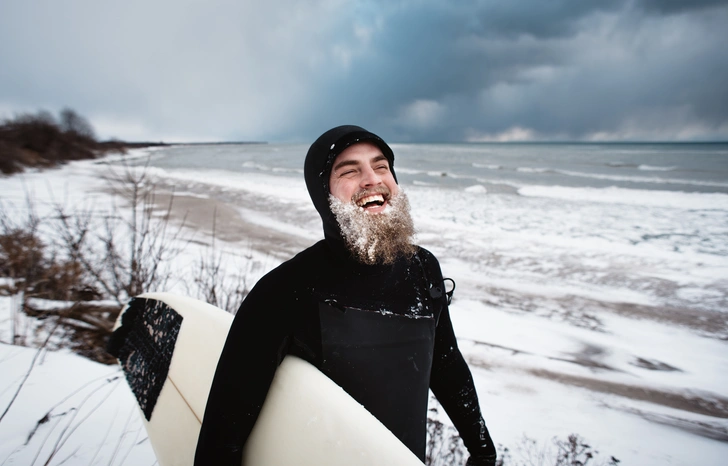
{"x": 592, "y": 307}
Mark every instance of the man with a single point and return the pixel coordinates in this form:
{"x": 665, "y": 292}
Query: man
{"x": 365, "y": 305}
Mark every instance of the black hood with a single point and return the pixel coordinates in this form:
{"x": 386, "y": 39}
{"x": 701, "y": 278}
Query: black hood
{"x": 320, "y": 159}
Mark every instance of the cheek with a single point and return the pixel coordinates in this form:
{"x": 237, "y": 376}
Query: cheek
{"x": 340, "y": 190}
{"x": 392, "y": 185}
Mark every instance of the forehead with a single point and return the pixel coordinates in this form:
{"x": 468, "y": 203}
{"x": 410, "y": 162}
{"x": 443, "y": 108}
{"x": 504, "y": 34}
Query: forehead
{"x": 359, "y": 152}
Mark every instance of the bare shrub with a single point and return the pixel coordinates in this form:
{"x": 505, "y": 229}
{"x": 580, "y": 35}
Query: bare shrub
{"x": 39, "y": 140}
{"x": 125, "y": 255}
{"x": 83, "y": 327}
{"x": 11, "y": 158}
{"x": 36, "y": 269}
{"x": 25, "y": 377}
{"x": 444, "y": 448}
{"x": 572, "y": 451}
{"x": 94, "y": 255}
{"x": 151, "y": 244}
{"x": 106, "y": 254}
{"x": 72, "y": 122}
{"x": 212, "y": 284}
{"x": 21, "y": 250}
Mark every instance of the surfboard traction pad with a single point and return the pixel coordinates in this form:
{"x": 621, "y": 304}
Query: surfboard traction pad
{"x": 144, "y": 344}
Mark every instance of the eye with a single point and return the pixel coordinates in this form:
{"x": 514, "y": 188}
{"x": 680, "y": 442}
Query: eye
{"x": 382, "y": 168}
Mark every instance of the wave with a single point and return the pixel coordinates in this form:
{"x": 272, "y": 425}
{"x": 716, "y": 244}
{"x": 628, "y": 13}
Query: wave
{"x": 642, "y": 179}
{"x": 476, "y": 189}
{"x": 287, "y": 170}
{"x": 653, "y": 168}
{"x": 256, "y": 166}
{"x": 638, "y": 197}
{"x": 534, "y": 170}
{"x": 622, "y": 178}
{"x": 409, "y": 171}
{"x": 487, "y": 166}
{"x": 151, "y": 153}
{"x": 431, "y": 173}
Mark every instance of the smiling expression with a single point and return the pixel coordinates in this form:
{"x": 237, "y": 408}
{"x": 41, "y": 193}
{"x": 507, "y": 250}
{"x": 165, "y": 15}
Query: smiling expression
{"x": 361, "y": 175}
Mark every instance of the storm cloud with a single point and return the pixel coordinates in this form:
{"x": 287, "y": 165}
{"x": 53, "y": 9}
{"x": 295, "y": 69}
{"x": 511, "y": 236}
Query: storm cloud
{"x": 410, "y": 70}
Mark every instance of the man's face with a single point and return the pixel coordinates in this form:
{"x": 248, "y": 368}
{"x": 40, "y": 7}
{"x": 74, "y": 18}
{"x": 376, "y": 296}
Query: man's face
{"x": 361, "y": 175}
{"x": 361, "y": 185}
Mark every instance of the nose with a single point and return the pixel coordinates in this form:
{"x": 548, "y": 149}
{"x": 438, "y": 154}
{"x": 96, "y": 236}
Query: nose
{"x": 370, "y": 178}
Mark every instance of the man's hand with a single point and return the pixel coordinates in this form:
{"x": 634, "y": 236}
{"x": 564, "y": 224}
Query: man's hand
{"x": 482, "y": 460}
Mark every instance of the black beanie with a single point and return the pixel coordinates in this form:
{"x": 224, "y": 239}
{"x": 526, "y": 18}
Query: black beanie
{"x": 320, "y": 159}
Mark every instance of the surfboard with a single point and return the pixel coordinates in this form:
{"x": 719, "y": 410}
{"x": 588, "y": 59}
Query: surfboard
{"x": 168, "y": 347}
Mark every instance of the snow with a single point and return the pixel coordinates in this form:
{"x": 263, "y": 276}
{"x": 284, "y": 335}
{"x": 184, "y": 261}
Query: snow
{"x": 539, "y": 374}
{"x": 89, "y": 413}
{"x": 638, "y": 197}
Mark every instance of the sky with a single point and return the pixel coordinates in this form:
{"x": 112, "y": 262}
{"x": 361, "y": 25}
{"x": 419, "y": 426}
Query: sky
{"x": 409, "y": 70}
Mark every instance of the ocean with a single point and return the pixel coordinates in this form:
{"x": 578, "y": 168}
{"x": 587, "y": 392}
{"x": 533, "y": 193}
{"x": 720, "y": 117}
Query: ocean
{"x": 566, "y": 230}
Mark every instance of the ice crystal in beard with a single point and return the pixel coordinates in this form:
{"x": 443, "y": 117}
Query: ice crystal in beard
{"x": 376, "y": 238}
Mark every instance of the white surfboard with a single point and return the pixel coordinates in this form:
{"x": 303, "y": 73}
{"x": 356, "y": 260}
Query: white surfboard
{"x": 306, "y": 419}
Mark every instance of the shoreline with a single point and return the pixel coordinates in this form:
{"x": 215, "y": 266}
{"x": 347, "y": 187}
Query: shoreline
{"x": 224, "y": 221}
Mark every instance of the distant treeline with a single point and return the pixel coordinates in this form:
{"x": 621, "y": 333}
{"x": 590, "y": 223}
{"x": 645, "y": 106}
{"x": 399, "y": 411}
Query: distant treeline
{"x": 42, "y": 140}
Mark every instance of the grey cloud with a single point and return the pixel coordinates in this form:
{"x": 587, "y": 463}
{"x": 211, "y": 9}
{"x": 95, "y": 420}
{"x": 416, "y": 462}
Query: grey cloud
{"x": 614, "y": 67}
{"x": 539, "y": 19}
{"x": 217, "y": 70}
{"x": 677, "y": 6}
{"x": 412, "y": 70}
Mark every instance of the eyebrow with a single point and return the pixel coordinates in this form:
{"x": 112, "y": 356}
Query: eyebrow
{"x": 347, "y": 163}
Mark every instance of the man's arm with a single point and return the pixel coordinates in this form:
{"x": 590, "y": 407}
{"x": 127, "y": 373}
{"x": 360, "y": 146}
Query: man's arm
{"x": 255, "y": 345}
{"x": 452, "y": 384}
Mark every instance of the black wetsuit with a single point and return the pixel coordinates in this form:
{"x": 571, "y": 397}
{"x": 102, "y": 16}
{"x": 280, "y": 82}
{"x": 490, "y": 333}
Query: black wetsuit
{"x": 382, "y": 332}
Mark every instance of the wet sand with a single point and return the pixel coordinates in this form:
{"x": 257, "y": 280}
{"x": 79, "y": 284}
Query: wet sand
{"x": 213, "y": 217}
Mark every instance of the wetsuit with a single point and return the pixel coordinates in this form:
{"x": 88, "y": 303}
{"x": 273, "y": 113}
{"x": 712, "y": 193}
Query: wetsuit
{"x": 382, "y": 332}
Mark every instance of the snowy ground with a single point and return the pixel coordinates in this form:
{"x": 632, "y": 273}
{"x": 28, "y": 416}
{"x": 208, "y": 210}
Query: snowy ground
{"x": 644, "y": 391}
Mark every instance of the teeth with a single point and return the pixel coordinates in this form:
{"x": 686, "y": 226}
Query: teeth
{"x": 374, "y": 198}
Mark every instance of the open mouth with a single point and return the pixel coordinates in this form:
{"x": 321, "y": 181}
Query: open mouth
{"x": 373, "y": 200}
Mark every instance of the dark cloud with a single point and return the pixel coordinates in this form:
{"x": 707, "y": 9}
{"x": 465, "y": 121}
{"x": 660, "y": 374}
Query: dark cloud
{"x": 538, "y": 19}
{"x": 412, "y": 70}
{"x": 590, "y": 72}
{"x": 678, "y": 6}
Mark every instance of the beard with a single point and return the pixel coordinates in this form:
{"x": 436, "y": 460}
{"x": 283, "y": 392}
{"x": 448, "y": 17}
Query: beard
{"x": 379, "y": 238}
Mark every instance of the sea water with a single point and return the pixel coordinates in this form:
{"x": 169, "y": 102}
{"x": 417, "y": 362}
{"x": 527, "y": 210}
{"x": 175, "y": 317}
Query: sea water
{"x": 563, "y": 230}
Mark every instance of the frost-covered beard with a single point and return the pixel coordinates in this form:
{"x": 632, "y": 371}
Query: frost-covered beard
{"x": 376, "y": 238}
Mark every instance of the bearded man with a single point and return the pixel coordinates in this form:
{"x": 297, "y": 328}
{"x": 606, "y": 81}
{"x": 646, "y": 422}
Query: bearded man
{"x": 364, "y": 305}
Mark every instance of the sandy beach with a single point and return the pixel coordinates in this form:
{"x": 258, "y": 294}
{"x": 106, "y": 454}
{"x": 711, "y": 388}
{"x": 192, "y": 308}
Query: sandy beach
{"x": 215, "y": 217}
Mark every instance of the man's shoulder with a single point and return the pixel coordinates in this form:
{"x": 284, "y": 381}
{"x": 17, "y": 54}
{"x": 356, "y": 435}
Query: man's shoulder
{"x": 288, "y": 279}
{"x": 301, "y": 263}
{"x": 426, "y": 256}
{"x": 430, "y": 264}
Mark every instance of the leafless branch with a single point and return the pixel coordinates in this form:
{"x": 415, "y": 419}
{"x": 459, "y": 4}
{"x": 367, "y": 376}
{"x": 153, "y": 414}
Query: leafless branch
{"x": 27, "y": 373}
